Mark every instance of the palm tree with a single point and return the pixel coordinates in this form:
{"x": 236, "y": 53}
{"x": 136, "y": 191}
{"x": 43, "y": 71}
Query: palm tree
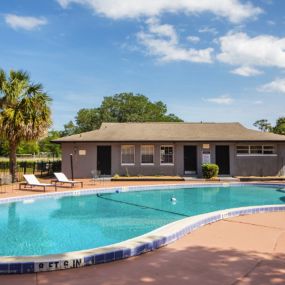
{"x": 24, "y": 112}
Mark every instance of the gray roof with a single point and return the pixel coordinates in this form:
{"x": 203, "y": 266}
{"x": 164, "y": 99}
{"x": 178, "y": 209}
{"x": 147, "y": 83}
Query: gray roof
{"x": 139, "y": 132}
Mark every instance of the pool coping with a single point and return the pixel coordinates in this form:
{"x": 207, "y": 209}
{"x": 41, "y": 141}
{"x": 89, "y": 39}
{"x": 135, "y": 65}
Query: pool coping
{"x": 132, "y": 247}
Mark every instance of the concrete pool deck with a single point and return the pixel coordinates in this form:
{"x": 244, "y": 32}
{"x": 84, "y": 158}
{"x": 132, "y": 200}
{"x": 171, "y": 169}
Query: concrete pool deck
{"x": 13, "y": 190}
{"x": 7, "y": 191}
{"x": 238, "y": 251}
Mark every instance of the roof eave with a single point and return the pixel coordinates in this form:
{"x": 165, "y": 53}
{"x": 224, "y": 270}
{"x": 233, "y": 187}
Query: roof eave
{"x": 169, "y": 140}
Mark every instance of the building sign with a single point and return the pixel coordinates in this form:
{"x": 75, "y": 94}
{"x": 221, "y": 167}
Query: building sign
{"x": 206, "y": 146}
{"x": 206, "y": 157}
{"x": 82, "y": 152}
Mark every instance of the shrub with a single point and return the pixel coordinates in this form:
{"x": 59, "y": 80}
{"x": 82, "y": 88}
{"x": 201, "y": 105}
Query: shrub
{"x": 210, "y": 170}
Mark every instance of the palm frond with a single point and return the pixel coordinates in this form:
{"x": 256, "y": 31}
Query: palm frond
{"x": 24, "y": 108}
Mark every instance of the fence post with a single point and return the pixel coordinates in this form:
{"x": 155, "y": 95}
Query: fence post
{"x": 42, "y": 166}
{"x": 71, "y": 165}
{"x": 25, "y": 166}
{"x": 34, "y": 167}
{"x": 49, "y": 167}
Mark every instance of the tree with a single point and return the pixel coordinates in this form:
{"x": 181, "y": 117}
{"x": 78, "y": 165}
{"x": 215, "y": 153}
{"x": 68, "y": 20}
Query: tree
{"x": 263, "y": 125}
{"x": 123, "y": 107}
{"x": 45, "y": 144}
{"x": 280, "y": 126}
{"x": 30, "y": 147}
{"x": 69, "y": 129}
{"x": 4, "y": 148}
{"x": 24, "y": 112}
{"x": 129, "y": 107}
{"x": 88, "y": 119}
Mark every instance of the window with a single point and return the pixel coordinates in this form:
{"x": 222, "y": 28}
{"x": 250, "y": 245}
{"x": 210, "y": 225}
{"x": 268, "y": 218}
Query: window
{"x": 166, "y": 154}
{"x": 255, "y": 150}
{"x": 147, "y": 154}
{"x": 243, "y": 149}
{"x": 128, "y": 154}
{"x": 268, "y": 149}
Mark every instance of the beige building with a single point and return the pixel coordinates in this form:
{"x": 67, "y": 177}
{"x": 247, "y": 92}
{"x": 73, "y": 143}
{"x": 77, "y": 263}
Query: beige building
{"x": 173, "y": 149}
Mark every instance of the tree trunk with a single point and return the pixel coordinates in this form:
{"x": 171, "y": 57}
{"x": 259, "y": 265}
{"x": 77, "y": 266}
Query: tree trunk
{"x": 13, "y": 161}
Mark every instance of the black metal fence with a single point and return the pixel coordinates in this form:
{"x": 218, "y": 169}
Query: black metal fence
{"x": 39, "y": 168}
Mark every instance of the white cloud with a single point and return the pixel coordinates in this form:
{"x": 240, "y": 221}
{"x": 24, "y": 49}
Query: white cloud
{"x": 234, "y": 10}
{"x": 246, "y": 71}
{"x": 221, "y": 100}
{"x": 277, "y": 85}
{"x": 263, "y": 50}
{"x": 193, "y": 39}
{"x": 26, "y": 23}
{"x": 162, "y": 41}
{"x": 208, "y": 30}
{"x": 162, "y": 30}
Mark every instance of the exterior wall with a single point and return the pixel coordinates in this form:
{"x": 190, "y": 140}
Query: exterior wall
{"x": 82, "y": 164}
{"x": 138, "y": 168}
{"x": 239, "y": 165}
{"x": 281, "y": 159}
{"x": 259, "y": 165}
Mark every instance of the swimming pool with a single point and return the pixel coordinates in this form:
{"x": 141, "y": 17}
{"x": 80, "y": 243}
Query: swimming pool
{"x": 76, "y": 221}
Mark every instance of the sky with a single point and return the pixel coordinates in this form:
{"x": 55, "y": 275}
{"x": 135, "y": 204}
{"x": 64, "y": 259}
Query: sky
{"x": 216, "y": 61}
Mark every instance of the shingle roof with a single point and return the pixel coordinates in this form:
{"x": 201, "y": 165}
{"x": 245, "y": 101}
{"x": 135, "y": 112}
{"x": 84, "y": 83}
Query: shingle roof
{"x": 132, "y": 132}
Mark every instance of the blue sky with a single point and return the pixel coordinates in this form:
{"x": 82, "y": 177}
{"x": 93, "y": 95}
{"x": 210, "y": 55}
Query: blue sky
{"x": 221, "y": 60}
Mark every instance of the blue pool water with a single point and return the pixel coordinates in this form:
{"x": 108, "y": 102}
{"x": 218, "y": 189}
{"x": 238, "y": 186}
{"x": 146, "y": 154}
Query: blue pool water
{"x": 70, "y": 223}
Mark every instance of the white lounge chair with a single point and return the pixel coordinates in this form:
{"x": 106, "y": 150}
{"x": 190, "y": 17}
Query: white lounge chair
{"x": 61, "y": 178}
{"x": 32, "y": 181}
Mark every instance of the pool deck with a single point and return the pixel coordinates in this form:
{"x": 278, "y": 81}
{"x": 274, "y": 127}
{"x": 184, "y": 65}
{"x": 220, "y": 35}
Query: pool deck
{"x": 237, "y": 251}
{"x": 7, "y": 191}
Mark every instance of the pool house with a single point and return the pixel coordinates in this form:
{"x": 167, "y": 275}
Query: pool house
{"x": 173, "y": 149}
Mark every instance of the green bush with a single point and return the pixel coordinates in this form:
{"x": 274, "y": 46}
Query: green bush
{"x": 210, "y": 170}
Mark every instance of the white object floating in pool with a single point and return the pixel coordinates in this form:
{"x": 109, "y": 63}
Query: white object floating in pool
{"x": 173, "y": 200}
{"x": 28, "y": 201}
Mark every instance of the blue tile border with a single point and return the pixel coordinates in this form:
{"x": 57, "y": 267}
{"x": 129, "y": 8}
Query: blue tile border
{"x": 28, "y": 267}
{"x": 4, "y": 268}
{"x": 143, "y": 243}
{"x": 99, "y": 258}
